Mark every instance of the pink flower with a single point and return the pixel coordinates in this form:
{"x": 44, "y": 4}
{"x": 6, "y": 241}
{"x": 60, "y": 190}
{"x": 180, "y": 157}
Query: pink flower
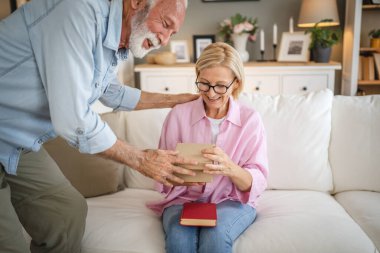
{"x": 252, "y": 37}
{"x": 248, "y": 26}
{"x": 239, "y": 28}
{"x": 227, "y": 22}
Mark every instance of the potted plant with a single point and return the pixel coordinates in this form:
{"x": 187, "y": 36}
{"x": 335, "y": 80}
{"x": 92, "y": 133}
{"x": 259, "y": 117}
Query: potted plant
{"x": 322, "y": 39}
{"x": 375, "y": 38}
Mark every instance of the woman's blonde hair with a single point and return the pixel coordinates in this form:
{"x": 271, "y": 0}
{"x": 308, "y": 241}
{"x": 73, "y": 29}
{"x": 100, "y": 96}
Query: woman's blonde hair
{"x": 222, "y": 54}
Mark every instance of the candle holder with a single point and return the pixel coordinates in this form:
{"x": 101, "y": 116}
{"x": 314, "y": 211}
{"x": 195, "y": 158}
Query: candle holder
{"x": 262, "y": 55}
{"x": 274, "y": 52}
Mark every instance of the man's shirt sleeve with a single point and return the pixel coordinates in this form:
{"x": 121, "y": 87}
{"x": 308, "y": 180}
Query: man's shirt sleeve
{"x": 64, "y": 43}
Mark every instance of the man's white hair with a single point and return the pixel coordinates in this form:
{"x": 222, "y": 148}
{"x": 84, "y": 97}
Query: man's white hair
{"x": 153, "y": 2}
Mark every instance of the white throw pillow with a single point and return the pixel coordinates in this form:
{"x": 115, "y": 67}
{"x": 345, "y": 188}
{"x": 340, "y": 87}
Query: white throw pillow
{"x": 355, "y": 143}
{"x": 298, "y": 131}
{"x": 143, "y": 131}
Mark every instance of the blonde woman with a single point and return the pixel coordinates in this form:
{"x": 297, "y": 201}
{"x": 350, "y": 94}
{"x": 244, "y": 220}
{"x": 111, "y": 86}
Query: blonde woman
{"x": 239, "y": 156}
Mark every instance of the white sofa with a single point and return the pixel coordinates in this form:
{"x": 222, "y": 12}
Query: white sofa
{"x": 323, "y": 189}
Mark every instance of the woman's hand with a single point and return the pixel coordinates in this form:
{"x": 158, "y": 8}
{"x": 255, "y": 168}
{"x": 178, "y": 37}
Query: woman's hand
{"x": 223, "y": 165}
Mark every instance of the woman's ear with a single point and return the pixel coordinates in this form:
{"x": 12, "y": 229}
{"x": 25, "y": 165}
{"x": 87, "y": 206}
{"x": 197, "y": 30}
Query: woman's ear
{"x": 137, "y": 4}
{"x": 237, "y": 83}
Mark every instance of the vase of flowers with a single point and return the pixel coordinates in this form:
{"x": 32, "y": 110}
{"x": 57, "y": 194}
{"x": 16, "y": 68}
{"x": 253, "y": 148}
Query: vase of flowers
{"x": 240, "y": 43}
{"x": 237, "y": 30}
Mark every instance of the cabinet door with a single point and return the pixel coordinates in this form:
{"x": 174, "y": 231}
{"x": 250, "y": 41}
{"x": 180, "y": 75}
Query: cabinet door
{"x": 168, "y": 84}
{"x": 269, "y": 85}
{"x": 300, "y": 84}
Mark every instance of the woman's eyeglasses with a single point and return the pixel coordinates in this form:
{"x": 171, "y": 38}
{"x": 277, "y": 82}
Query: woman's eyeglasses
{"x": 218, "y": 88}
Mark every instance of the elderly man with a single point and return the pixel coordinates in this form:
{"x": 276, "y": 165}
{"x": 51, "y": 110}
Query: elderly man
{"x": 57, "y": 58}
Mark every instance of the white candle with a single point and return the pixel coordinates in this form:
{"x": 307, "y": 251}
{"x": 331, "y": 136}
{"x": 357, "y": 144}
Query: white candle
{"x": 262, "y": 40}
{"x": 275, "y": 34}
{"x": 291, "y": 25}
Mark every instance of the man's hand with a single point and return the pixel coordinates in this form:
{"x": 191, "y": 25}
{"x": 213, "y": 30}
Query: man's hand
{"x": 183, "y": 98}
{"x": 157, "y": 164}
{"x": 150, "y": 100}
{"x": 161, "y": 164}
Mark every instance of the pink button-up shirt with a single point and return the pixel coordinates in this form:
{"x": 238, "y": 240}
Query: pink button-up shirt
{"x": 241, "y": 136}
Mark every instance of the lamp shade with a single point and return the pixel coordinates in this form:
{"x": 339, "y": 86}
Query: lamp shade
{"x": 313, "y": 11}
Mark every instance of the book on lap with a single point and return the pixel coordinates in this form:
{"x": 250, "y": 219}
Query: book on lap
{"x": 198, "y": 214}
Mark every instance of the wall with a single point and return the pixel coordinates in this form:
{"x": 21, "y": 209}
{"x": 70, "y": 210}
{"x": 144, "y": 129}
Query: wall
{"x": 204, "y": 18}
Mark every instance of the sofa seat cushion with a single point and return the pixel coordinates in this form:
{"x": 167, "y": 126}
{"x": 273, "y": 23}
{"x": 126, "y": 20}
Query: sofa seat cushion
{"x": 302, "y": 221}
{"x": 364, "y": 208}
{"x": 121, "y": 223}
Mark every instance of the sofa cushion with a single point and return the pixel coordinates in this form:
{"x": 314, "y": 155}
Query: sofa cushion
{"x": 143, "y": 131}
{"x": 298, "y": 132}
{"x": 91, "y": 175}
{"x": 355, "y": 143}
{"x": 302, "y": 221}
{"x": 121, "y": 223}
{"x": 364, "y": 208}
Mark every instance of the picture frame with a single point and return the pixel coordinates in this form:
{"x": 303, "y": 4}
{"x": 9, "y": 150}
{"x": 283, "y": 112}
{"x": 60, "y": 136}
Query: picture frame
{"x": 181, "y": 50}
{"x": 200, "y": 42}
{"x": 294, "y": 47}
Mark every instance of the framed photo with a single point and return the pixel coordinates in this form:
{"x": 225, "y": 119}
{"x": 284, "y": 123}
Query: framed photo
{"x": 200, "y": 42}
{"x": 294, "y": 47}
{"x": 180, "y": 48}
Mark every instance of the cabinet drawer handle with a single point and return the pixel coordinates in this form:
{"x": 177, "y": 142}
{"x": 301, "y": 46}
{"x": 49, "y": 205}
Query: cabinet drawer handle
{"x": 166, "y": 88}
{"x": 304, "y": 88}
{"x": 257, "y": 88}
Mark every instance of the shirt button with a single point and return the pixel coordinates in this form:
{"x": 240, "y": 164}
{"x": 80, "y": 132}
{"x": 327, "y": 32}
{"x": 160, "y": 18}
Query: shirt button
{"x": 96, "y": 85}
{"x": 39, "y": 141}
{"x": 79, "y": 131}
{"x": 114, "y": 64}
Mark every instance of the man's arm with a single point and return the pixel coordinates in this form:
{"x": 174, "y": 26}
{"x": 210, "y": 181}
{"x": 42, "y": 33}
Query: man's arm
{"x": 156, "y": 164}
{"x": 150, "y": 100}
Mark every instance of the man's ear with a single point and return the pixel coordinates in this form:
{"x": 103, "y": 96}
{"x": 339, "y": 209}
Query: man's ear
{"x": 137, "y": 4}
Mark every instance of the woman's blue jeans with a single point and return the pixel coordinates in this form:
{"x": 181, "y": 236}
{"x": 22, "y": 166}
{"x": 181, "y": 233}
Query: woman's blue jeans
{"x": 233, "y": 219}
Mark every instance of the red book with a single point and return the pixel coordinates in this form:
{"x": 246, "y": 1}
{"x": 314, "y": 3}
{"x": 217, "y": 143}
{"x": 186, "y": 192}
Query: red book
{"x": 198, "y": 214}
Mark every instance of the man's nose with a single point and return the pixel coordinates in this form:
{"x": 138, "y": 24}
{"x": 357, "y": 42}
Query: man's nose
{"x": 166, "y": 37}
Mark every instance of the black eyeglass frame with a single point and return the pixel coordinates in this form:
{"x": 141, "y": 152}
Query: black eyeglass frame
{"x": 213, "y": 86}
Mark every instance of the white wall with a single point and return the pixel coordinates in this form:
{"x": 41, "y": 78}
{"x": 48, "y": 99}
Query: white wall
{"x": 204, "y": 18}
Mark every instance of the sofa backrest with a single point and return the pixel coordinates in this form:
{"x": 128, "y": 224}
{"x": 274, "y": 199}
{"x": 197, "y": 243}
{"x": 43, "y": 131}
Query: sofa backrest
{"x": 298, "y": 134}
{"x": 91, "y": 175}
{"x": 301, "y": 144}
{"x": 355, "y": 143}
{"x": 298, "y": 130}
{"x": 143, "y": 130}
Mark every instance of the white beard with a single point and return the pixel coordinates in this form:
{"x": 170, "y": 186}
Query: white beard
{"x": 139, "y": 33}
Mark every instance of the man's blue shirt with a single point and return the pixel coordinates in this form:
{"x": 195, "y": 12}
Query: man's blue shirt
{"x": 57, "y": 57}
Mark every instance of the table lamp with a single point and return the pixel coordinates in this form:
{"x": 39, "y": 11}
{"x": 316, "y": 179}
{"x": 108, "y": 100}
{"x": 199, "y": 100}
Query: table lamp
{"x": 313, "y": 11}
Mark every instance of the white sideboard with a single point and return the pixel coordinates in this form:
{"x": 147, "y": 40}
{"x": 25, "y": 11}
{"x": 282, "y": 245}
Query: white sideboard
{"x": 270, "y": 78}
